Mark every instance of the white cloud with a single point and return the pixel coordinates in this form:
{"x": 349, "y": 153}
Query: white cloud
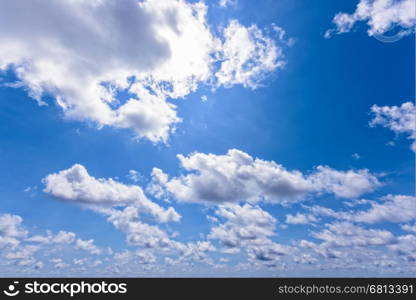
{"x": 268, "y": 252}
{"x": 79, "y": 262}
{"x": 62, "y": 237}
{"x": 348, "y": 248}
{"x": 399, "y": 119}
{"x": 134, "y": 176}
{"x": 151, "y": 239}
{"x": 249, "y": 228}
{"x": 300, "y": 219}
{"x": 244, "y": 223}
{"x": 198, "y": 251}
{"x": 393, "y": 208}
{"x": 150, "y": 117}
{"x": 247, "y": 56}
{"x": 144, "y": 257}
{"x": 138, "y": 233}
{"x": 23, "y": 256}
{"x": 76, "y": 185}
{"x": 227, "y": 3}
{"x": 23, "y": 252}
{"x": 346, "y": 234}
{"x": 58, "y": 263}
{"x": 237, "y": 176}
{"x": 11, "y": 226}
{"x": 345, "y": 184}
{"x": 156, "y": 186}
{"x": 106, "y": 196}
{"x": 410, "y": 228}
{"x": 141, "y": 257}
{"x": 11, "y": 230}
{"x": 87, "y": 246}
{"x": 83, "y": 52}
{"x": 380, "y": 15}
{"x": 406, "y": 247}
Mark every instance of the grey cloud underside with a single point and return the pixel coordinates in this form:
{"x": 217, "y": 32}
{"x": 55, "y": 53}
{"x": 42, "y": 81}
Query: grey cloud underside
{"x": 83, "y": 52}
{"x": 63, "y": 21}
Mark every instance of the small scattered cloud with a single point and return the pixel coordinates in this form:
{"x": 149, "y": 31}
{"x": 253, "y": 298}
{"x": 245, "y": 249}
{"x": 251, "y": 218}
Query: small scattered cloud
{"x": 134, "y": 176}
{"x": 227, "y": 3}
{"x": 399, "y": 119}
{"x": 87, "y": 246}
{"x": 380, "y": 16}
{"x": 300, "y": 218}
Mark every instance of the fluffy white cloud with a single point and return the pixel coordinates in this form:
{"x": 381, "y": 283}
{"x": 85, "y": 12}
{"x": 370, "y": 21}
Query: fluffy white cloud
{"x": 137, "y": 233}
{"x": 406, "y": 247}
{"x": 345, "y": 184}
{"x": 150, "y": 117}
{"x": 237, "y": 176}
{"x": 399, "y": 119}
{"x": 23, "y": 256}
{"x": 76, "y": 185}
{"x": 227, "y": 3}
{"x": 62, "y": 237}
{"x": 345, "y": 245}
{"x": 392, "y": 208}
{"x": 346, "y": 234}
{"x": 134, "y": 176}
{"x": 87, "y": 246}
{"x": 140, "y": 257}
{"x": 395, "y": 208}
{"x": 244, "y": 223}
{"x": 156, "y": 186}
{"x": 25, "y": 252}
{"x": 410, "y": 228}
{"x": 300, "y": 219}
{"x": 380, "y": 15}
{"x": 151, "y": 239}
{"x": 249, "y": 228}
{"x": 84, "y": 52}
{"x": 11, "y": 230}
{"x": 350, "y": 248}
{"x": 106, "y": 196}
{"x": 247, "y": 56}
{"x": 197, "y": 251}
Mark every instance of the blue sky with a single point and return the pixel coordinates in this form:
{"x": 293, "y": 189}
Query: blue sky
{"x": 290, "y": 85}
